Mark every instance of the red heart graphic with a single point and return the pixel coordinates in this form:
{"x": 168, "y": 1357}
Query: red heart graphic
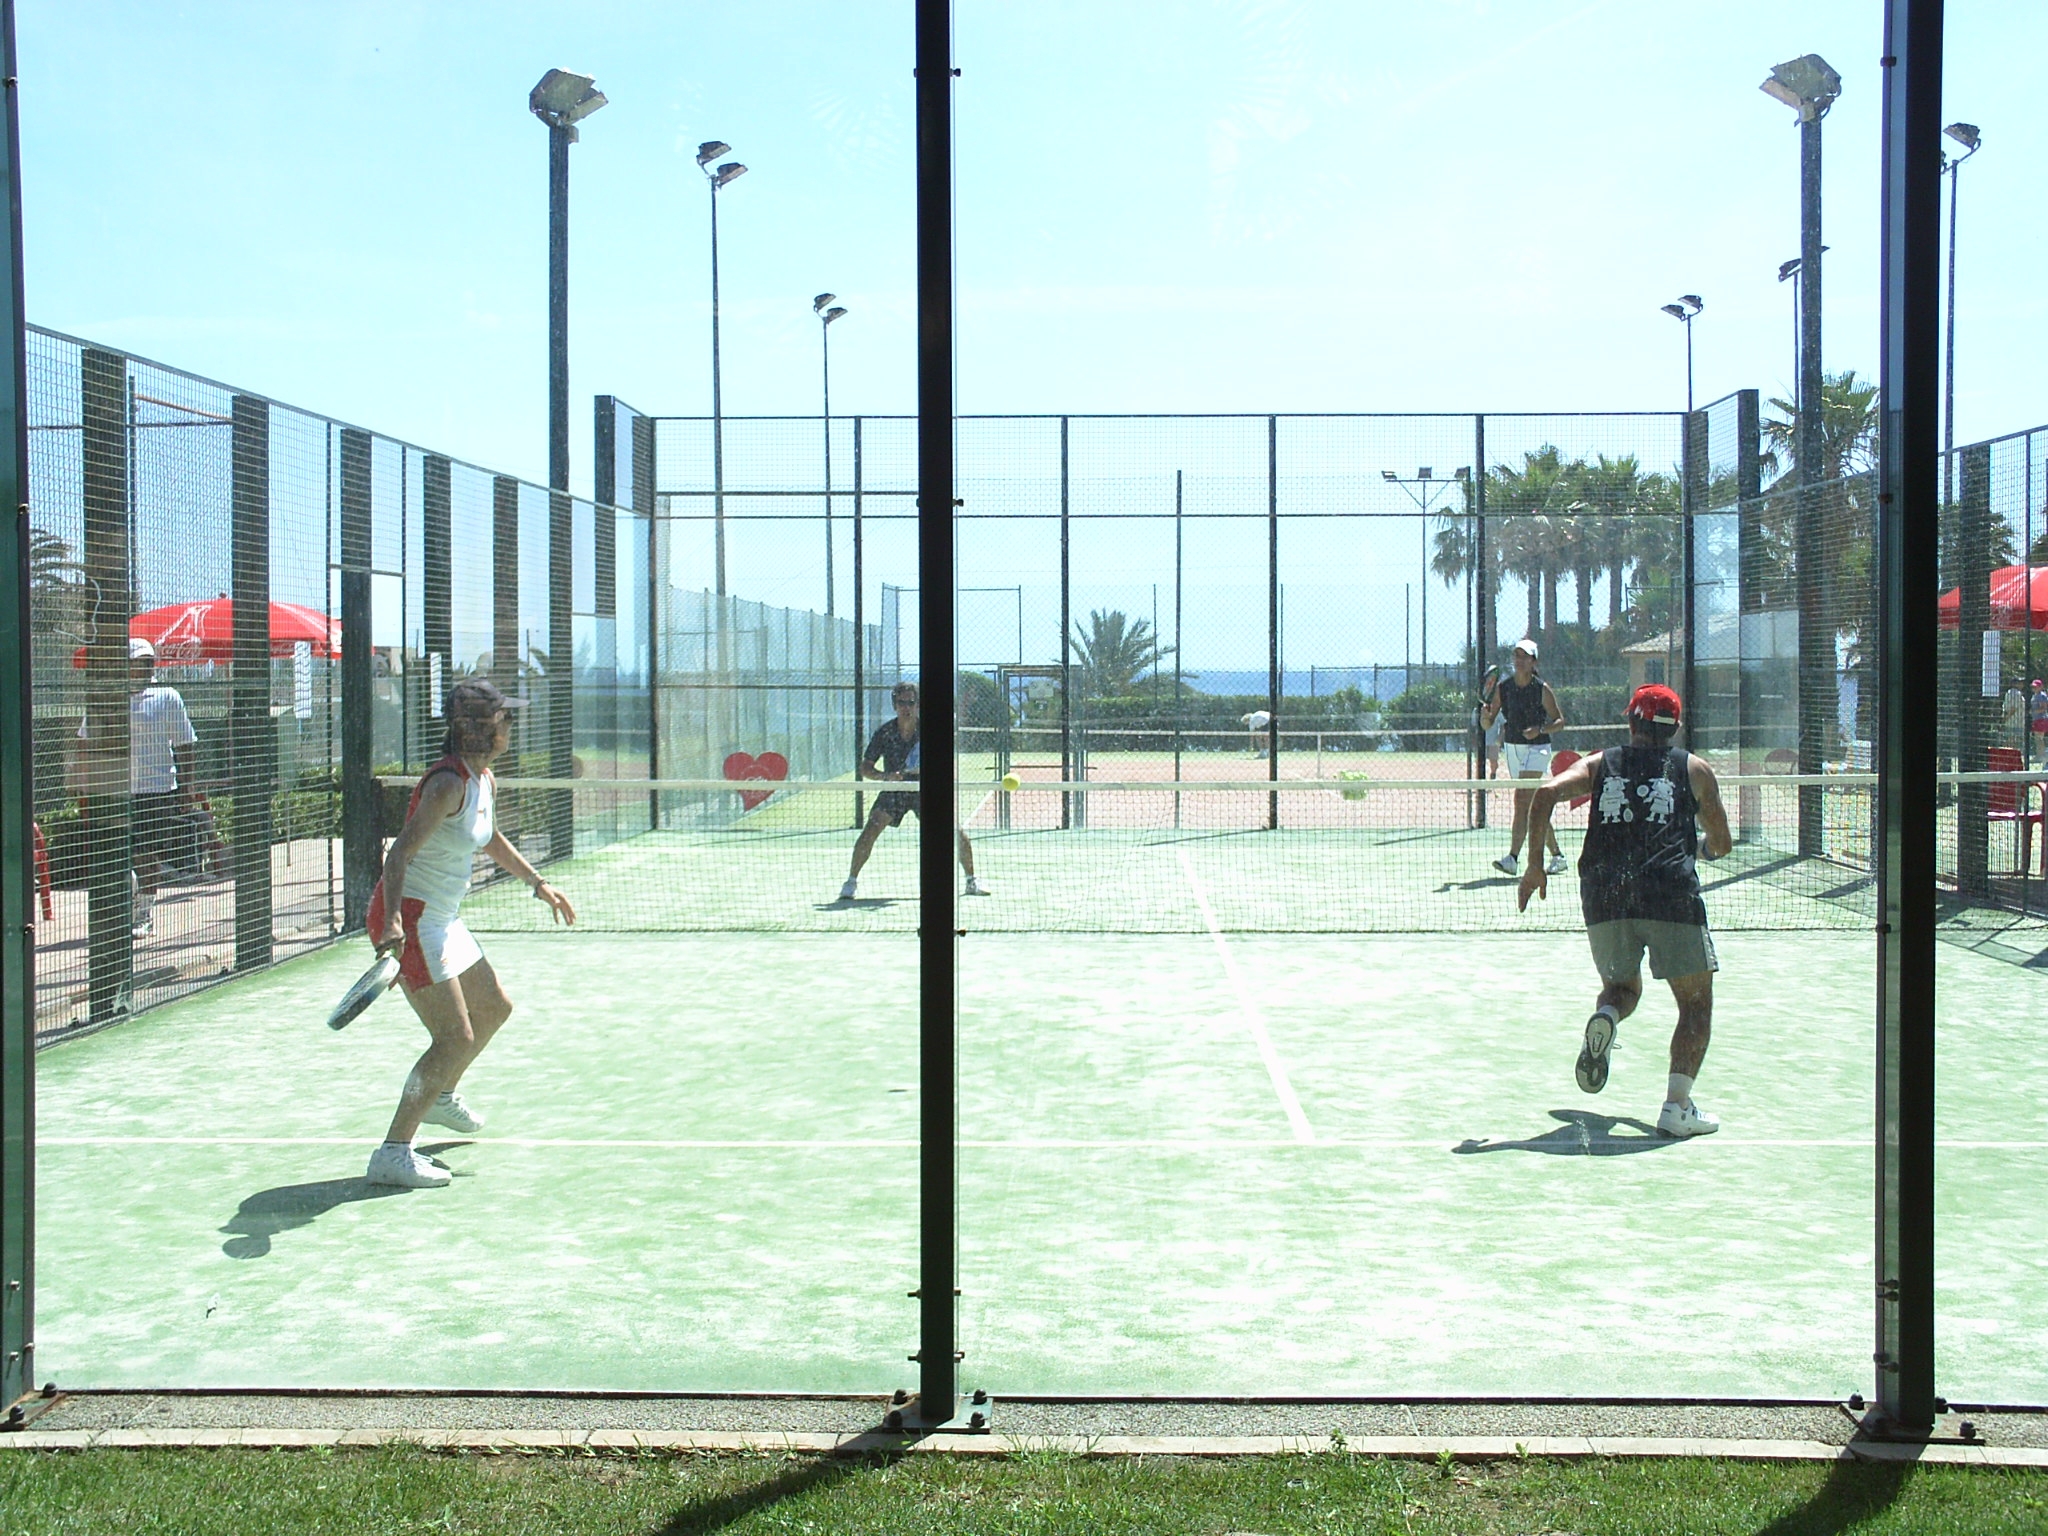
{"x": 744, "y": 765}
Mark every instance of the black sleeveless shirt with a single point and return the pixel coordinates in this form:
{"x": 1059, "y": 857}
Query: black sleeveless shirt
{"x": 1642, "y": 842}
{"x": 1522, "y": 707}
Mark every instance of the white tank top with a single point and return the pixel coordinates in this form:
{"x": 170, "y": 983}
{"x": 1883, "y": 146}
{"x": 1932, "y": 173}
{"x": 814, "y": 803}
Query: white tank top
{"x": 438, "y": 873}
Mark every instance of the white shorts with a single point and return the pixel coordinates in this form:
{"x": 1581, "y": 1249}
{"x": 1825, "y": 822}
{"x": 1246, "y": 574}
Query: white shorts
{"x": 1525, "y": 757}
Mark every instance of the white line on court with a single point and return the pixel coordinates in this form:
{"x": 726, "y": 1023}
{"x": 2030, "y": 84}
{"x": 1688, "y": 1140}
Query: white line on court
{"x": 1028, "y": 1144}
{"x": 1254, "y": 1021}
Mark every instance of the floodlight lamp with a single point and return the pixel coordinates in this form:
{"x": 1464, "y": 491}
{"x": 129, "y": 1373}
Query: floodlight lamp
{"x": 1807, "y": 84}
{"x": 1673, "y": 311}
{"x": 818, "y": 304}
{"x": 1788, "y": 269}
{"x": 1692, "y": 301}
{"x": 1388, "y": 474}
{"x": 1462, "y": 472}
{"x": 1423, "y": 473}
{"x": 563, "y": 99}
{"x": 834, "y": 313}
{"x": 1964, "y": 134}
{"x": 732, "y": 170}
{"x": 710, "y": 150}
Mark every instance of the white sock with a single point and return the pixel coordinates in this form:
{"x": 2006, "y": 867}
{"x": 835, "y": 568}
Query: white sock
{"x": 405, "y": 1144}
{"x": 1612, "y": 1012}
{"x": 1678, "y": 1089}
{"x": 445, "y": 1095}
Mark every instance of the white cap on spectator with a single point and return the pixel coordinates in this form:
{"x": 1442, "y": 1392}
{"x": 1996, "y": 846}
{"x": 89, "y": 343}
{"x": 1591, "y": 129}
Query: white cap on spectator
{"x": 1526, "y": 644}
{"x": 140, "y": 649}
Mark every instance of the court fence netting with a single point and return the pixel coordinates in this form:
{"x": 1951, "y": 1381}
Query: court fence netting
{"x": 1234, "y": 662}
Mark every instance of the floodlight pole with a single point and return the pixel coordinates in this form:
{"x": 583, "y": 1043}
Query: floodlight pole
{"x": 559, "y": 138}
{"x": 1908, "y": 546}
{"x": 717, "y": 420}
{"x": 825, "y": 354}
{"x": 1954, "y": 170}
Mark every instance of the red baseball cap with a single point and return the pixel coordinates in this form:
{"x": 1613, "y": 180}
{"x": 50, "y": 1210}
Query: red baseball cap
{"x": 1655, "y": 703}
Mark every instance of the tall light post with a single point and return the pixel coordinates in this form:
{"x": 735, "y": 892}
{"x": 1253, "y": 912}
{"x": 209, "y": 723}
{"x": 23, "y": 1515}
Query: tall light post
{"x": 1688, "y": 305}
{"x": 1966, "y": 135}
{"x": 707, "y": 152}
{"x": 1426, "y": 499}
{"x": 826, "y": 315}
{"x": 561, "y": 100}
{"x": 1809, "y": 86}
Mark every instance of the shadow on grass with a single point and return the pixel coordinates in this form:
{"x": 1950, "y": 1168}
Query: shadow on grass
{"x": 1581, "y": 1135}
{"x": 1855, "y": 1491}
{"x": 287, "y": 1206}
{"x": 718, "y": 1511}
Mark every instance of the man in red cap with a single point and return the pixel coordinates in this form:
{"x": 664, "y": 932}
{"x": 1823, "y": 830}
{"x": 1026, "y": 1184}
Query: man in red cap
{"x": 1639, "y": 885}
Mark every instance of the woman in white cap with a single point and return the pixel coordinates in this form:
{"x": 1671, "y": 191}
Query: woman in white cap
{"x": 416, "y": 909}
{"x": 1530, "y": 709}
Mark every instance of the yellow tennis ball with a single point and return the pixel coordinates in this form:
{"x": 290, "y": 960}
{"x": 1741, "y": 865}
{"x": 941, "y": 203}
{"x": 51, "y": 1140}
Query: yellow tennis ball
{"x": 1011, "y": 781}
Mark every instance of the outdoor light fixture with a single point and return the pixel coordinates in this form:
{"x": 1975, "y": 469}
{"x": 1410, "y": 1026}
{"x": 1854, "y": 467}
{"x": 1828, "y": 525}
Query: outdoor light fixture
{"x": 1688, "y": 305}
{"x": 1692, "y": 301}
{"x": 1463, "y": 472}
{"x": 1788, "y": 269}
{"x": 1674, "y": 312}
{"x": 730, "y": 171}
{"x": 1807, "y": 84}
{"x": 818, "y": 304}
{"x": 1964, "y": 134}
{"x": 710, "y": 150}
{"x": 834, "y": 313}
{"x": 1388, "y": 474}
{"x": 563, "y": 99}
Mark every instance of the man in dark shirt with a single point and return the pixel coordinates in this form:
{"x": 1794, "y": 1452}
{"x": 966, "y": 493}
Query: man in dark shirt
{"x": 1639, "y": 886}
{"x": 1529, "y": 709}
{"x": 892, "y": 753}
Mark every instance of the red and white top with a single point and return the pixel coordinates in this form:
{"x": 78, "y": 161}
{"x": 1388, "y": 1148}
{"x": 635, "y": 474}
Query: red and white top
{"x": 438, "y": 874}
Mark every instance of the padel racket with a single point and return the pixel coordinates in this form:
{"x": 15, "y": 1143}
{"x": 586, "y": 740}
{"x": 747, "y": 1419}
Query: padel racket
{"x": 369, "y": 986}
{"x": 1488, "y": 681}
{"x": 1561, "y": 761}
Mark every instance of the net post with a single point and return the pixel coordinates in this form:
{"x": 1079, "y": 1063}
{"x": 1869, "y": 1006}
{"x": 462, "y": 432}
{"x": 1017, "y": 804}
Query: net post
{"x": 251, "y": 732}
{"x": 17, "y": 818}
{"x": 361, "y": 830}
{"x": 108, "y": 559}
{"x": 1908, "y": 539}
{"x": 938, "y": 1378}
{"x": 1974, "y": 719}
{"x": 1273, "y": 679}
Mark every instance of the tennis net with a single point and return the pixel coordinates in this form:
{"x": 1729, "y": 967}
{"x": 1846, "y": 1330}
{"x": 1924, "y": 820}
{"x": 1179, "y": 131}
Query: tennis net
{"x": 1339, "y": 855}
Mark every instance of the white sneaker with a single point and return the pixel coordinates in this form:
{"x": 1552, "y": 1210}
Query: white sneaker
{"x": 1556, "y": 866}
{"x": 449, "y": 1110}
{"x": 397, "y": 1163}
{"x": 1688, "y": 1119}
{"x": 974, "y": 887}
{"x": 1508, "y": 864}
{"x": 1598, "y": 1045}
{"x": 846, "y": 891}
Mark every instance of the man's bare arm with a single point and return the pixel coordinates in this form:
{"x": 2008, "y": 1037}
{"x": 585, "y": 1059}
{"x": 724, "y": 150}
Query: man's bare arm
{"x": 1706, "y": 789}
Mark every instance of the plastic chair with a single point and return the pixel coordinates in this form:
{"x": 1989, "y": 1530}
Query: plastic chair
{"x": 2008, "y": 802}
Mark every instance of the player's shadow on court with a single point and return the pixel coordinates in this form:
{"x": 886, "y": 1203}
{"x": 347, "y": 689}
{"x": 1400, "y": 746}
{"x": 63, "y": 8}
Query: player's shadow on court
{"x": 1581, "y": 1135}
{"x": 270, "y": 1211}
{"x": 857, "y": 904}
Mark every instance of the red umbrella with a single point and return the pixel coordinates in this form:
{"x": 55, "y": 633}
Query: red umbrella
{"x": 186, "y": 634}
{"x": 2019, "y": 599}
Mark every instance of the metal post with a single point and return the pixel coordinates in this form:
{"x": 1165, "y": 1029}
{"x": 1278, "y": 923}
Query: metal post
{"x": 1816, "y": 639}
{"x": 1179, "y": 657}
{"x": 559, "y": 140}
{"x": 825, "y": 339}
{"x": 1908, "y": 525}
{"x": 644, "y": 507}
{"x": 717, "y": 433}
{"x": 362, "y": 849}
{"x": 17, "y": 813}
{"x": 1974, "y": 716}
{"x": 1482, "y": 596}
{"x": 938, "y": 1380}
{"x": 1066, "y": 641}
{"x": 252, "y": 735}
{"x": 860, "y": 631}
{"x": 437, "y": 590}
{"x": 1749, "y": 483}
{"x": 560, "y": 681}
{"x": 1948, "y": 369}
{"x": 108, "y": 558}
{"x": 1692, "y": 496}
{"x": 1272, "y": 618}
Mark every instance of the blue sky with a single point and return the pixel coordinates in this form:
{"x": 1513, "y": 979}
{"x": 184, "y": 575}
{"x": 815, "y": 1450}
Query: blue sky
{"x": 1242, "y": 205}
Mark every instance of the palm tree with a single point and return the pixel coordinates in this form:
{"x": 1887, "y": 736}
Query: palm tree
{"x": 1848, "y": 431}
{"x": 1113, "y": 650}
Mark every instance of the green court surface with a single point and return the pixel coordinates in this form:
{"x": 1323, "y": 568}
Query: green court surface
{"x": 1191, "y": 1163}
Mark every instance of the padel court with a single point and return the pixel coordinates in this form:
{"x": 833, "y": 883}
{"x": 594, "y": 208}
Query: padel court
{"x": 1203, "y": 1161}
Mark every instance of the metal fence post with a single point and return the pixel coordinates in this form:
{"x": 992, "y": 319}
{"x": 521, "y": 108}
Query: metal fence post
{"x": 643, "y": 506}
{"x": 362, "y": 846}
{"x": 1909, "y": 550}
{"x": 252, "y": 734}
{"x": 1692, "y": 500}
{"x": 1482, "y": 596}
{"x": 561, "y": 673}
{"x": 107, "y": 557}
{"x": 1274, "y": 681}
{"x": 860, "y": 633}
{"x": 1975, "y": 717}
{"x": 17, "y": 811}
{"x": 1066, "y": 640}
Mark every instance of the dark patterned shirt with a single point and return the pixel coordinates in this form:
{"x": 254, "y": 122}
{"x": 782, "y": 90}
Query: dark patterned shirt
{"x": 895, "y": 753}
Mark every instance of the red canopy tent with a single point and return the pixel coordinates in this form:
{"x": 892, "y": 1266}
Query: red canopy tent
{"x": 2019, "y": 599}
{"x": 186, "y": 634}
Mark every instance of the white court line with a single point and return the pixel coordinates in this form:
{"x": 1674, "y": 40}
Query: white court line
{"x": 1254, "y": 1021}
{"x": 1026, "y": 1144}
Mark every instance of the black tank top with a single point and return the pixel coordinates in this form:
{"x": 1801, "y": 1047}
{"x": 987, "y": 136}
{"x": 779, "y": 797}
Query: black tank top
{"x": 1522, "y": 706}
{"x": 1642, "y": 841}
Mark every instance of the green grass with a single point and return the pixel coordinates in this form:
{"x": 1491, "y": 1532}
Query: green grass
{"x": 197, "y": 1493}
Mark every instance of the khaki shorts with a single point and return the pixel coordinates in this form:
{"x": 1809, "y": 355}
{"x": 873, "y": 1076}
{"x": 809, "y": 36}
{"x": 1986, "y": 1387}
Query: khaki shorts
{"x": 1676, "y": 949}
{"x": 1527, "y": 757}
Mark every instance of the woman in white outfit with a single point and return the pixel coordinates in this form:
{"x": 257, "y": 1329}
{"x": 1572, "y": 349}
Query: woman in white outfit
{"x": 416, "y": 909}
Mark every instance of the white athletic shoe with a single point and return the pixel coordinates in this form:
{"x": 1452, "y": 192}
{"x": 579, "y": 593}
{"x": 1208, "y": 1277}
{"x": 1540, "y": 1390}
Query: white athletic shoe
{"x": 846, "y": 891}
{"x": 449, "y": 1110}
{"x": 1508, "y": 864}
{"x": 1598, "y": 1046}
{"x": 1556, "y": 865}
{"x": 975, "y": 888}
{"x": 1682, "y": 1120}
{"x": 398, "y": 1164}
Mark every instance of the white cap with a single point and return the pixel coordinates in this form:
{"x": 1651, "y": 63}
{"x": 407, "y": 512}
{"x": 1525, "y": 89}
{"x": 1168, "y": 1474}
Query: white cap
{"x": 1526, "y": 644}
{"x": 140, "y": 649}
